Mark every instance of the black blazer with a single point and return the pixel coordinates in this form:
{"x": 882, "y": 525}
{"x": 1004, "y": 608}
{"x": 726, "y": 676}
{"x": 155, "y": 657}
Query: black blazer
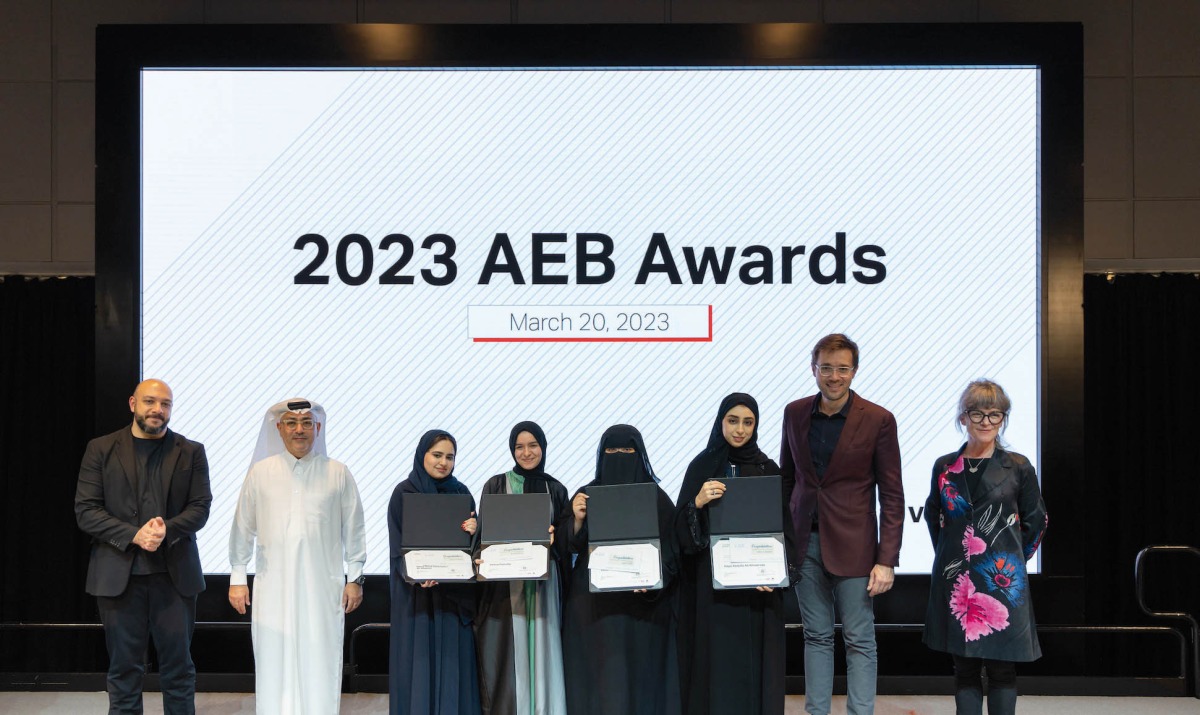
{"x": 107, "y": 509}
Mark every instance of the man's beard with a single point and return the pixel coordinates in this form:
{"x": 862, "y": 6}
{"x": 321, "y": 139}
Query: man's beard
{"x": 141, "y": 423}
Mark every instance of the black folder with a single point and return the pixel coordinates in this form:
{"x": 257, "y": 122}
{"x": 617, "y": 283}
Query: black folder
{"x": 751, "y": 505}
{"x": 624, "y": 512}
{"x": 434, "y": 521}
{"x": 512, "y": 518}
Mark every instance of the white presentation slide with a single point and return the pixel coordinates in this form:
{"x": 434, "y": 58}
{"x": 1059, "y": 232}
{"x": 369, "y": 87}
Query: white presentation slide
{"x": 468, "y": 248}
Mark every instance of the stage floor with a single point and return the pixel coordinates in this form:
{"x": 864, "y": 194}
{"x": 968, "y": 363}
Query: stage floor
{"x": 369, "y": 704}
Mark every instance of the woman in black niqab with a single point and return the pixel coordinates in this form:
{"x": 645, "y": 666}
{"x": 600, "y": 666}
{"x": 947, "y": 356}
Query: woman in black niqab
{"x": 618, "y": 646}
{"x": 731, "y": 642}
{"x": 518, "y": 630}
{"x": 431, "y": 664}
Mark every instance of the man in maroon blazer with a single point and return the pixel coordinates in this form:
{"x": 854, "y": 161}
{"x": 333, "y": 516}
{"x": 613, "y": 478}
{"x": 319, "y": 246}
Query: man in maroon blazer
{"x": 837, "y": 450}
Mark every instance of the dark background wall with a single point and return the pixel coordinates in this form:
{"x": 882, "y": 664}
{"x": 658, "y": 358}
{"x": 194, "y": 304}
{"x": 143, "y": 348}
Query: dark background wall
{"x": 1141, "y": 100}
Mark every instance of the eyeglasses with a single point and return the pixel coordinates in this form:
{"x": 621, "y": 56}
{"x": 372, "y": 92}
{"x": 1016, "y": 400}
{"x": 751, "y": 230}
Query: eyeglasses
{"x": 993, "y": 418}
{"x": 828, "y": 370}
{"x": 622, "y": 450}
{"x": 293, "y": 425}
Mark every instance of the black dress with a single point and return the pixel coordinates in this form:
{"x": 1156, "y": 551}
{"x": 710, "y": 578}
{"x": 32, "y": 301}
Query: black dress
{"x": 731, "y": 642}
{"x": 431, "y": 655}
{"x": 983, "y": 533}
{"x": 617, "y": 647}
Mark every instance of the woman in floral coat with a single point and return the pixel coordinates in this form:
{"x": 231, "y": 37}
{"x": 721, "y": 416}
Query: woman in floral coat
{"x": 986, "y": 518}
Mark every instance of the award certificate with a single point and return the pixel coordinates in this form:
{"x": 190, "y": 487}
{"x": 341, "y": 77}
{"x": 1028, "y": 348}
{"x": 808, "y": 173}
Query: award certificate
{"x": 625, "y": 567}
{"x": 438, "y": 565}
{"x": 748, "y": 561}
{"x": 514, "y": 562}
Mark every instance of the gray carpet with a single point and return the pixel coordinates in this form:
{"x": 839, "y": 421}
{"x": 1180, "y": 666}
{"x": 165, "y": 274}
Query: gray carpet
{"x": 369, "y": 704}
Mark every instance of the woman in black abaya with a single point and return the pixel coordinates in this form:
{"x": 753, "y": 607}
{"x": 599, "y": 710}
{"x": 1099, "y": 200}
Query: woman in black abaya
{"x": 618, "y": 646}
{"x": 431, "y": 668}
{"x": 518, "y": 630}
{"x": 731, "y": 642}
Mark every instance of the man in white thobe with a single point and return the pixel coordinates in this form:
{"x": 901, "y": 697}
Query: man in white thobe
{"x": 304, "y": 510}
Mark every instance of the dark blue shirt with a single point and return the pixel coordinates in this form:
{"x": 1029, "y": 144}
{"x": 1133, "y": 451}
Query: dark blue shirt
{"x": 824, "y": 431}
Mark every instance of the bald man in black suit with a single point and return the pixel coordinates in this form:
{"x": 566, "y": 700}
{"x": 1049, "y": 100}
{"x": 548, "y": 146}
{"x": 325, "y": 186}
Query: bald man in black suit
{"x": 142, "y": 495}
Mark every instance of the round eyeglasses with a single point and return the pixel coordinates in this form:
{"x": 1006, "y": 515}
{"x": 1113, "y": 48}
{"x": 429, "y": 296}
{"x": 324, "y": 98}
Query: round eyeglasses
{"x": 993, "y": 418}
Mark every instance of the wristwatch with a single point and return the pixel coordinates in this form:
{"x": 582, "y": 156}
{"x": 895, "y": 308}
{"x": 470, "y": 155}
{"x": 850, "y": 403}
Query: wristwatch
{"x": 360, "y": 580}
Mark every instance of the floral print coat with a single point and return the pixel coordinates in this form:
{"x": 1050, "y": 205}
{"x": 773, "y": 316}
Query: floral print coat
{"x": 979, "y": 603}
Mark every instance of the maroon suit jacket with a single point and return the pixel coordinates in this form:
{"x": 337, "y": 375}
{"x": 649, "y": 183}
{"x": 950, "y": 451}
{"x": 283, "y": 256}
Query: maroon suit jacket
{"x": 867, "y": 457}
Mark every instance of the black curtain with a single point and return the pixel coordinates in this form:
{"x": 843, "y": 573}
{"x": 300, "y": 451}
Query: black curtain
{"x": 1142, "y": 484}
{"x": 47, "y": 387}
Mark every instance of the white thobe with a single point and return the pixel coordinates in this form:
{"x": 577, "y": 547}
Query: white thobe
{"x": 307, "y": 518}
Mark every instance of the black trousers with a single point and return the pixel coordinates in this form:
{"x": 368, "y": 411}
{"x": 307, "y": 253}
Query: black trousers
{"x": 968, "y": 673}
{"x": 150, "y": 607}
